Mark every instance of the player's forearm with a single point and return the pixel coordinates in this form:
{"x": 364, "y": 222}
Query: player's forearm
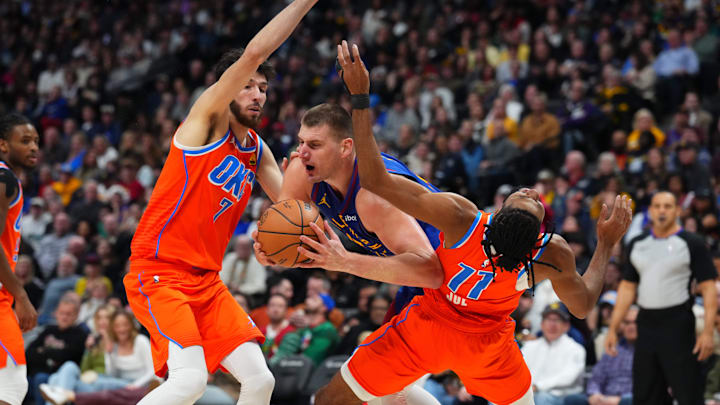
{"x": 407, "y": 269}
{"x": 371, "y": 169}
{"x": 594, "y": 276}
{"x": 278, "y": 29}
{"x": 709, "y": 294}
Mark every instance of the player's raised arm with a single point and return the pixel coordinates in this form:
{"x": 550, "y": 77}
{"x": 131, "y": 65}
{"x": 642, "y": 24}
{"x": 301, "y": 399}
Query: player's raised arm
{"x": 581, "y": 294}
{"x": 27, "y": 316}
{"x": 449, "y": 212}
{"x": 218, "y": 96}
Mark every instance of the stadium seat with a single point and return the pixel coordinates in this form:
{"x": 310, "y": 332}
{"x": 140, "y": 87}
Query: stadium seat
{"x": 324, "y": 372}
{"x": 291, "y": 375}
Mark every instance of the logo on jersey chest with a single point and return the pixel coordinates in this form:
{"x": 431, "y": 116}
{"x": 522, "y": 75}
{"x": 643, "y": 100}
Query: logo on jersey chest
{"x": 342, "y": 223}
{"x": 232, "y": 176}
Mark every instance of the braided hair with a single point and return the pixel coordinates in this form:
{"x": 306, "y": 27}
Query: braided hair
{"x": 510, "y": 239}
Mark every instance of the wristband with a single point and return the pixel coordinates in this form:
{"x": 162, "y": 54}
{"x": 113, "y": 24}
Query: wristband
{"x": 360, "y": 101}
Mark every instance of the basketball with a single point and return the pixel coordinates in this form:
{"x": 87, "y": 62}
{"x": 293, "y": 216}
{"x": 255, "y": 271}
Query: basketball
{"x": 280, "y": 228}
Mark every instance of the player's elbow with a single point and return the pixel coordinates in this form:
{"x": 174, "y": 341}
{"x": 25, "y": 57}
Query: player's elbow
{"x": 434, "y": 274}
{"x": 254, "y": 54}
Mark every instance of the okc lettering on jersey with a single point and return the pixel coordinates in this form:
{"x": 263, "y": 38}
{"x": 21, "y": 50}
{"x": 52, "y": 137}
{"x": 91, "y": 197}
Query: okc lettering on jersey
{"x": 353, "y": 236}
{"x": 232, "y": 176}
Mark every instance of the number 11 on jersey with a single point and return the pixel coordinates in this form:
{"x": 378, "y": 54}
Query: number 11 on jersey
{"x": 466, "y": 273}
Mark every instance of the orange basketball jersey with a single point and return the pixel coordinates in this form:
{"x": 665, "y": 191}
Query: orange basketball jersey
{"x": 470, "y": 298}
{"x": 10, "y": 238}
{"x": 198, "y": 201}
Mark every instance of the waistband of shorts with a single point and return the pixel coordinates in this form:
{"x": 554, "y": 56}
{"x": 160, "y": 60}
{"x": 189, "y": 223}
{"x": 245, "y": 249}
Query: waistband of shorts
{"x": 137, "y": 265}
{"x": 458, "y": 321}
{"x": 685, "y": 306}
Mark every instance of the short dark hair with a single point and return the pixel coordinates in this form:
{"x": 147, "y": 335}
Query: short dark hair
{"x": 332, "y": 115}
{"x": 10, "y": 121}
{"x": 229, "y": 57}
{"x": 284, "y": 298}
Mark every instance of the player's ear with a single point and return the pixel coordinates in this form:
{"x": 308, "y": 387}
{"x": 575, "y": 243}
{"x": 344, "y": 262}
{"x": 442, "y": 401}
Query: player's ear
{"x": 346, "y": 147}
{"x": 4, "y": 147}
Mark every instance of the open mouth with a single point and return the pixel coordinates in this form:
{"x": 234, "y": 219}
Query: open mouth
{"x": 309, "y": 168}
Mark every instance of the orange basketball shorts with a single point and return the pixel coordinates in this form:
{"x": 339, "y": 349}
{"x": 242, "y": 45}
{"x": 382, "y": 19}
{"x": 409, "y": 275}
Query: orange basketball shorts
{"x": 11, "y": 341}
{"x": 187, "y": 307}
{"x": 415, "y": 343}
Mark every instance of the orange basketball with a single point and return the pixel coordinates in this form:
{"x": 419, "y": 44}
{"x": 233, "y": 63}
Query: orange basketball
{"x": 280, "y": 228}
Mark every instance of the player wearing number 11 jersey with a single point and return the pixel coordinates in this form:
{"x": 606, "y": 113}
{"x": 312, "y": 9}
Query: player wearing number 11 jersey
{"x": 488, "y": 260}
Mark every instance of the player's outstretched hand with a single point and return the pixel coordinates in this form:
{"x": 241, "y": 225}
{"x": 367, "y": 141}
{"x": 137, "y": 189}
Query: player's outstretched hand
{"x": 354, "y": 73}
{"x": 327, "y": 252}
{"x": 259, "y": 253}
{"x": 611, "y": 229}
{"x": 26, "y": 314}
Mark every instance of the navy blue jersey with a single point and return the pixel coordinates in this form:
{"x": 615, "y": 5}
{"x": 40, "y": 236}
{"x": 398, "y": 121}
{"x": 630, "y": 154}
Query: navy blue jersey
{"x": 343, "y": 212}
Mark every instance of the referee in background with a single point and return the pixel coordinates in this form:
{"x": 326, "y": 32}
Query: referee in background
{"x": 659, "y": 268}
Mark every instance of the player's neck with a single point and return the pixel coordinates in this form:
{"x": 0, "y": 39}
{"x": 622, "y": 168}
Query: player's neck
{"x": 240, "y": 131}
{"x": 340, "y": 179}
{"x": 16, "y": 169}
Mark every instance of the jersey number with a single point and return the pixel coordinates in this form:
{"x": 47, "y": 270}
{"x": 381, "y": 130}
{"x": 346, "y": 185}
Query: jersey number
{"x": 224, "y": 205}
{"x": 466, "y": 273}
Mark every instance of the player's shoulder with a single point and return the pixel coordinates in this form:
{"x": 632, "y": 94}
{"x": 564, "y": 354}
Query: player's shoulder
{"x": 8, "y": 182}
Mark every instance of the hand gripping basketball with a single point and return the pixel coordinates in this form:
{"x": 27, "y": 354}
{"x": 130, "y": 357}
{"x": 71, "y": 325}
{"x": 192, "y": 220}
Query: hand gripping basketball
{"x": 279, "y": 230}
{"x": 327, "y": 252}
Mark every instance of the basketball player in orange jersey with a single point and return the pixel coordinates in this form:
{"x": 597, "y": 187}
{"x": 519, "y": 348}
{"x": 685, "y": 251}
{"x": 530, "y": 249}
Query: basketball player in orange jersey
{"x": 19, "y": 142}
{"x": 173, "y": 285}
{"x": 488, "y": 261}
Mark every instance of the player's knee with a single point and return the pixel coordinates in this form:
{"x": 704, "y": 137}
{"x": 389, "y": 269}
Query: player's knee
{"x": 189, "y": 382}
{"x": 260, "y": 384}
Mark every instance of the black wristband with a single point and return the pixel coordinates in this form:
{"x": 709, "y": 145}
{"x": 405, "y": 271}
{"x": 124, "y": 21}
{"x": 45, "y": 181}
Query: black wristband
{"x": 360, "y": 101}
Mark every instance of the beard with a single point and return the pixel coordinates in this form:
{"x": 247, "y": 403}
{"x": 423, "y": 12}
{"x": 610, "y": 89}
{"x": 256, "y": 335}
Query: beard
{"x": 244, "y": 119}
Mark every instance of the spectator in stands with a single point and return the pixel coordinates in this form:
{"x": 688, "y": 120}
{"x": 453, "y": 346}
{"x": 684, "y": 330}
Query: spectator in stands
{"x": 25, "y": 272}
{"x": 128, "y": 362}
{"x": 697, "y": 117}
{"x": 280, "y": 285}
{"x": 51, "y": 246}
{"x": 55, "y": 345}
{"x": 92, "y": 272}
{"x": 35, "y": 222}
{"x": 695, "y": 175}
{"x": 645, "y": 134}
{"x": 552, "y": 380}
{"x": 611, "y": 380}
{"x": 317, "y": 337}
{"x": 240, "y": 270}
{"x": 57, "y": 287}
{"x": 278, "y": 327}
{"x": 673, "y": 66}
{"x": 379, "y": 305}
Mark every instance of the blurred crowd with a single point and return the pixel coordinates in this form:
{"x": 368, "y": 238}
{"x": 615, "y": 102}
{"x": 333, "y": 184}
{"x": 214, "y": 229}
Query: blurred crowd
{"x": 581, "y": 99}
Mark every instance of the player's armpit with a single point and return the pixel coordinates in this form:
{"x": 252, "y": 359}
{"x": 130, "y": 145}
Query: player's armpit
{"x": 566, "y": 282}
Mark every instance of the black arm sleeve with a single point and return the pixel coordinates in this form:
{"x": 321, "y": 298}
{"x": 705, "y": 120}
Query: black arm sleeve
{"x": 701, "y": 264}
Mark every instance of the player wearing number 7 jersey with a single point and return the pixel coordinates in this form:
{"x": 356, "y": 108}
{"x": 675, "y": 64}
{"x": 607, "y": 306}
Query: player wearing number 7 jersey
{"x": 488, "y": 260}
{"x": 173, "y": 285}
